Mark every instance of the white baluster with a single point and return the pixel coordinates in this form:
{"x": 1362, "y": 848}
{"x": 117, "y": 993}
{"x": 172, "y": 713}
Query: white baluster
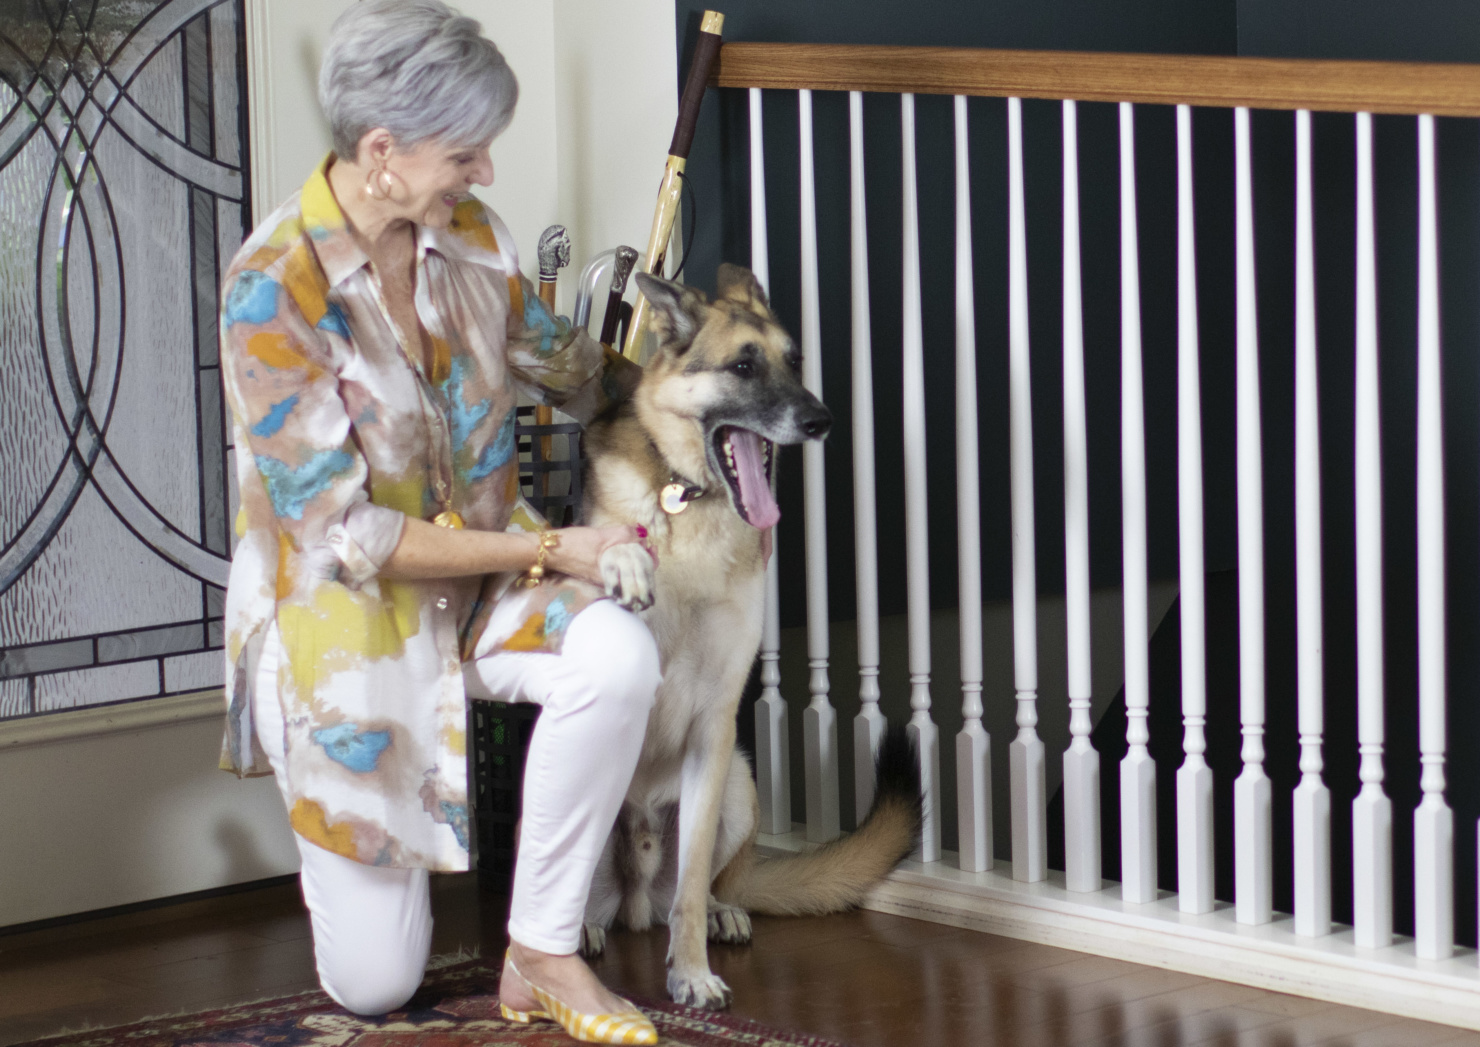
{"x": 1433, "y": 822}
{"x": 1081, "y": 761}
{"x": 1026, "y": 755}
{"x": 1253, "y": 889}
{"x": 973, "y": 745}
{"x": 1137, "y": 770}
{"x": 772, "y": 751}
{"x": 1372, "y": 811}
{"x": 1194, "y": 777}
{"x": 922, "y": 729}
{"x": 868, "y": 725}
{"x": 819, "y": 720}
{"x": 1312, "y": 800}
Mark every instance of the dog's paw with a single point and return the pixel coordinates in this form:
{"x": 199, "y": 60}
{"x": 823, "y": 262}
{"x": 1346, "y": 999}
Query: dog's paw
{"x": 593, "y": 940}
{"x": 703, "y": 989}
{"x": 627, "y": 572}
{"x": 728, "y": 923}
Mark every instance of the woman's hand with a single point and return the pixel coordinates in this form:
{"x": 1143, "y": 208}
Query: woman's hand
{"x": 580, "y": 549}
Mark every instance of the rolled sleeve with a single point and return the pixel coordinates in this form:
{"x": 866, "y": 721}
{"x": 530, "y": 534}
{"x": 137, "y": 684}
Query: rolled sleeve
{"x": 563, "y": 366}
{"x": 365, "y": 541}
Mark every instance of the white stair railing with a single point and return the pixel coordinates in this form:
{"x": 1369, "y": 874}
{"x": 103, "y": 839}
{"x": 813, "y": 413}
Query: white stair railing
{"x": 1312, "y": 800}
{"x": 1081, "y": 762}
{"x": 819, "y": 719}
{"x": 1194, "y": 777}
{"x": 973, "y": 746}
{"x": 1137, "y": 769}
{"x": 868, "y": 725}
{"x": 772, "y": 732}
{"x": 1201, "y": 931}
{"x": 1253, "y": 889}
{"x": 1433, "y": 822}
{"x": 922, "y": 729}
{"x": 1372, "y": 811}
{"x": 1026, "y": 755}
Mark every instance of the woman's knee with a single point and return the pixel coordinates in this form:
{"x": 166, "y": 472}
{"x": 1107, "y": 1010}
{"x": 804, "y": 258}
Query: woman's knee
{"x": 373, "y": 988}
{"x": 617, "y": 651}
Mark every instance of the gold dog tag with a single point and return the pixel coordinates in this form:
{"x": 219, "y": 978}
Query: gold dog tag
{"x": 449, "y": 518}
{"x": 672, "y": 499}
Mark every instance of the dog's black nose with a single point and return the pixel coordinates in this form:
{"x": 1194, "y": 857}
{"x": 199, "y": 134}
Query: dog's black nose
{"x": 816, "y": 426}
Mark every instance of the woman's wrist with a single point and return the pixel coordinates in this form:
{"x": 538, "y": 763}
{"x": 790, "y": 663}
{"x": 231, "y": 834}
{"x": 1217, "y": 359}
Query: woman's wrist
{"x": 546, "y": 542}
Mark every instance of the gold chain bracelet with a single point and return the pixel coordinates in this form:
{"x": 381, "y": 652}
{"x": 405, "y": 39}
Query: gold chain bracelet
{"x": 536, "y": 574}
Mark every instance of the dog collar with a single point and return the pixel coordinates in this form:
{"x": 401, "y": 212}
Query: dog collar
{"x": 678, "y": 493}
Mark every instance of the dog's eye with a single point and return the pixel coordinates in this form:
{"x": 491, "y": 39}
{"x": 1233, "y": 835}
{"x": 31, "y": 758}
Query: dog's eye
{"x": 743, "y": 368}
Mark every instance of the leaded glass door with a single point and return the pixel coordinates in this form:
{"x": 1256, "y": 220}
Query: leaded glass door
{"x": 123, "y": 189}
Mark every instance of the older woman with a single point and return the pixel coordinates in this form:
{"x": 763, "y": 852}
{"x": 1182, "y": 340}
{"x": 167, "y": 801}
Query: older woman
{"x": 375, "y": 329}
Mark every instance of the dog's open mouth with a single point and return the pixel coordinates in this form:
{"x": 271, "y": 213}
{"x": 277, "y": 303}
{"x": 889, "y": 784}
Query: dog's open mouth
{"x": 745, "y": 462}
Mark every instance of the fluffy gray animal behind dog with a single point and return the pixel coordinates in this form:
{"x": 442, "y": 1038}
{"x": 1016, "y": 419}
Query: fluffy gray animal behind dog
{"x": 690, "y": 458}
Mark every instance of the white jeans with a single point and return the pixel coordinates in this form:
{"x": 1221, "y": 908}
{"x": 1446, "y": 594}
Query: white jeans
{"x": 372, "y": 926}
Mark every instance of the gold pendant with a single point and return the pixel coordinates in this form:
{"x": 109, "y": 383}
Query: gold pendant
{"x": 672, "y": 499}
{"x": 449, "y": 518}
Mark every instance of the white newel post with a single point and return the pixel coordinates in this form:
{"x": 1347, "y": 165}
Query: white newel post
{"x": 1433, "y": 822}
{"x": 973, "y": 746}
{"x": 1137, "y": 770}
{"x": 868, "y": 725}
{"x": 1372, "y": 811}
{"x": 1027, "y": 760}
{"x": 819, "y": 720}
{"x": 922, "y": 729}
{"x": 1252, "y": 798}
{"x": 1081, "y": 761}
{"x": 772, "y": 753}
{"x": 1194, "y": 777}
{"x": 1312, "y": 800}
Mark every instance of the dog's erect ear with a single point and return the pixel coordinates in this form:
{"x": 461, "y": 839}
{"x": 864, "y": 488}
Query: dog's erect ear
{"x": 737, "y": 284}
{"x": 678, "y": 311}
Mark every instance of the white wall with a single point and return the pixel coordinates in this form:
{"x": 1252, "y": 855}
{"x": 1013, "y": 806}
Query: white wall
{"x": 617, "y": 92}
{"x": 91, "y": 820}
{"x": 597, "y": 101}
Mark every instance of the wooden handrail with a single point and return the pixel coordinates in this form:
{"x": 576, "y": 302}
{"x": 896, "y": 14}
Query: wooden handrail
{"x": 1262, "y": 83}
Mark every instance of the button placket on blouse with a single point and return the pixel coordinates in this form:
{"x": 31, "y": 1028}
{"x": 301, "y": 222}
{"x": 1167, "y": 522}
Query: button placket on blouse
{"x": 438, "y": 426}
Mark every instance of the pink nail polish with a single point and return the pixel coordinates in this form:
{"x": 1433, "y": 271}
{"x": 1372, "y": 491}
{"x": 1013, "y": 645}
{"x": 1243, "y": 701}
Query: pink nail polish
{"x": 641, "y": 531}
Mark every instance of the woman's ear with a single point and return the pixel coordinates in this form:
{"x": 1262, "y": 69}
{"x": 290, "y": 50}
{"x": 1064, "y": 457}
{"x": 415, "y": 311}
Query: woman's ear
{"x": 678, "y": 311}
{"x": 376, "y": 146}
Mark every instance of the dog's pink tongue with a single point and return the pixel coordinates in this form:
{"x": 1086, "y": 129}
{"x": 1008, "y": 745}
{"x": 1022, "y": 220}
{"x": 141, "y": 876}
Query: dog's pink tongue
{"x": 760, "y": 506}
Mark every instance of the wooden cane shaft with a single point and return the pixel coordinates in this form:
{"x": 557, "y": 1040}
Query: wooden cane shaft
{"x": 669, "y": 193}
{"x": 544, "y": 415}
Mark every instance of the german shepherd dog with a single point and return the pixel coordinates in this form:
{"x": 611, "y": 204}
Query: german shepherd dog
{"x": 690, "y": 458}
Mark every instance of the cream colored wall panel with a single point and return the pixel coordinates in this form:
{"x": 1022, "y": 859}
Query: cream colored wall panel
{"x": 128, "y": 816}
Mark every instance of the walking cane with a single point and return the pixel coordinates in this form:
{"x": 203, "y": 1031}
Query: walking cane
{"x": 626, "y": 259}
{"x": 554, "y": 253}
{"x": 671, "y": 188}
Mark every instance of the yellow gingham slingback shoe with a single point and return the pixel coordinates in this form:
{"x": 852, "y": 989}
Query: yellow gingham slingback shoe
{"x": 629, "y": 1027}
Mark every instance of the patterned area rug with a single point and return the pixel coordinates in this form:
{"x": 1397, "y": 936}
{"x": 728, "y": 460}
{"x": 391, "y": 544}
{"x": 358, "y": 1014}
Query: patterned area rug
{"x": 456, "y": 1006}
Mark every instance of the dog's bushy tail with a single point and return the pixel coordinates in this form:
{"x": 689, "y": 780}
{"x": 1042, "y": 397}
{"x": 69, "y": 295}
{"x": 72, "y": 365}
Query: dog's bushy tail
{"x": 840, "y": 874}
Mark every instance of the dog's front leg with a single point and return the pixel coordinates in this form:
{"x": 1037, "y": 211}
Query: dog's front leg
{"x": 706, "y": 767}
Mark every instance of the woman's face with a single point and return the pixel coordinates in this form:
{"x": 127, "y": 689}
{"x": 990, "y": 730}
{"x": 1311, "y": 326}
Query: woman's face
{"x": 435, "y": 176}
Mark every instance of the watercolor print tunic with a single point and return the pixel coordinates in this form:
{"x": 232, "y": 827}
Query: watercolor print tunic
{"x": 341, "y": 434}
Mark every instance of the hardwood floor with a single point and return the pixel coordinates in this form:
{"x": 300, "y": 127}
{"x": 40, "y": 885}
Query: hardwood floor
{"x": 862, "y": 978}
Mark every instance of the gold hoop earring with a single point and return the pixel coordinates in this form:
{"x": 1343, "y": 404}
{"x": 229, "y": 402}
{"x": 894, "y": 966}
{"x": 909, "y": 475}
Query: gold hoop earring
{"x": 379, "y": 183}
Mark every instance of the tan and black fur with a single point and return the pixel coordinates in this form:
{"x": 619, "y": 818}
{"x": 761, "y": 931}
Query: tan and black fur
{"x": 682, "y": 851}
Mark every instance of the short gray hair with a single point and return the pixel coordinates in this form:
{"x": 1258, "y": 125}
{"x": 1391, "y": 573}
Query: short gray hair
{"x": 417, "y": 68}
